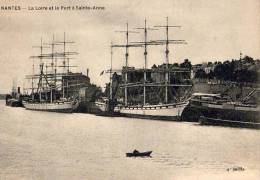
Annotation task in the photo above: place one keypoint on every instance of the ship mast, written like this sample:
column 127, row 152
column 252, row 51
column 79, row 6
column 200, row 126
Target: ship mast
column 145, row 58
column 41, row 70
column 64, row 63
column 111, row 80
column 126, row 59
column 53, row 57
column 40, row 82
column 33, row 78
column 65, row 56
column 52, row 64
column 145, row 43
column 167, row 79
column 126, row 63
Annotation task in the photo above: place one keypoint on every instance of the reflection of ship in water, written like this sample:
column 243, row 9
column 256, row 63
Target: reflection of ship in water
column 219, row 110
column 157, row 92
column 54, row 87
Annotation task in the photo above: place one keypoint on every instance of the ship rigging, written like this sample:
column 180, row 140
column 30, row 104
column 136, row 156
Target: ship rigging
column 51, row 87
column 132, row 88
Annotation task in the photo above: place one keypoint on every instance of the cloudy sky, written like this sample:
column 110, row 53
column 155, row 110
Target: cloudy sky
column 214, row 30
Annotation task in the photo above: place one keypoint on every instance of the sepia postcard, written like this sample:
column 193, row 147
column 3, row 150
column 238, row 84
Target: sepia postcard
column 129, row 90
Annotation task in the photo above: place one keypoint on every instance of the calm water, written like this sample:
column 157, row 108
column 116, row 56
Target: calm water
column 52, row 146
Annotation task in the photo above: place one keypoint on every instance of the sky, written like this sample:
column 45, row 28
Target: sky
column 213, row 30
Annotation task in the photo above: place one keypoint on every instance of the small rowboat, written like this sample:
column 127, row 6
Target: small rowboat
column 139, row 154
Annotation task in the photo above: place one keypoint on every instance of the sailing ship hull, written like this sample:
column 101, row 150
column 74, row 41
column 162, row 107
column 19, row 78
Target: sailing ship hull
column 65, row 107
column 161, row 112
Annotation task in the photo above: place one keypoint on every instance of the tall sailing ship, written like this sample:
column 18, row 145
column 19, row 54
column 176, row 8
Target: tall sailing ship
column 158, row 92
column 54, row 87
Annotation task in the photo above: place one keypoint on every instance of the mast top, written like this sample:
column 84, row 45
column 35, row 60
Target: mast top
column 145, row 27
column 167, row 25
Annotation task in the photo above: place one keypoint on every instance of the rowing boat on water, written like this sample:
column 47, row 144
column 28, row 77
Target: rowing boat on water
column 139, row 154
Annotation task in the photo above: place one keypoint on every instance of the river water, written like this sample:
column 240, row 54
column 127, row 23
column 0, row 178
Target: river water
column 55, row 146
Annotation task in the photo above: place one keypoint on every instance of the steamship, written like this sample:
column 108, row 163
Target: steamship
column 214, row 109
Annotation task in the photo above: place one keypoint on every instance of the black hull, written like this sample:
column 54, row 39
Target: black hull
column 14, row 103
column 227, row 114
column 140, row 154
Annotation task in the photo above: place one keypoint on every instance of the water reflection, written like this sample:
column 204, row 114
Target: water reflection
column 37, row 145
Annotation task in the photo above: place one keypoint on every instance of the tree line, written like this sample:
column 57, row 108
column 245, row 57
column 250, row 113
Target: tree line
column 243, row 70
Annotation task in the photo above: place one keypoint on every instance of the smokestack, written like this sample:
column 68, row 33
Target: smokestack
column 87, row 72
column 18, row 90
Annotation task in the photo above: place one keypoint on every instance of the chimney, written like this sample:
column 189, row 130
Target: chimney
column 18, row 90
column 87, row 72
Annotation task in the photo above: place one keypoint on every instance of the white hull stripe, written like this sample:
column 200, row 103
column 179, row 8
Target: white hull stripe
column 168, row 110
